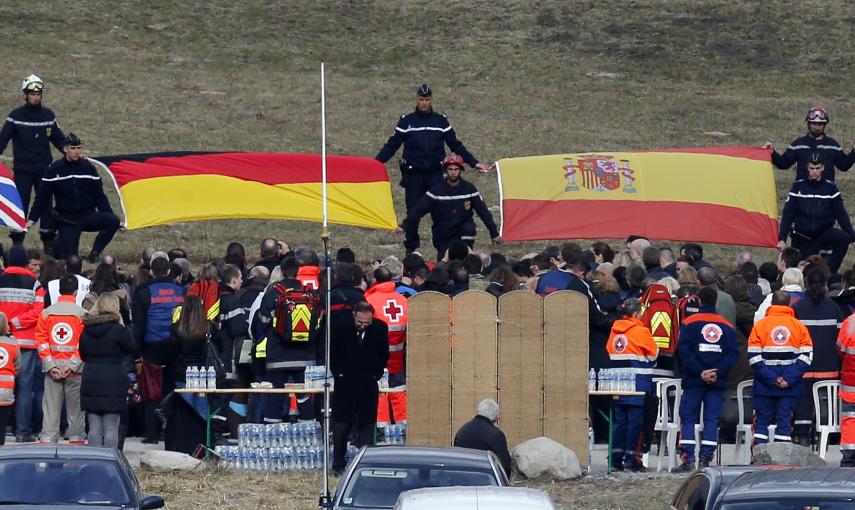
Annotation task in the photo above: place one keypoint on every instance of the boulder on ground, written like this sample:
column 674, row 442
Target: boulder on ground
column 543, row 456
column 786, row 454
column 165, row 460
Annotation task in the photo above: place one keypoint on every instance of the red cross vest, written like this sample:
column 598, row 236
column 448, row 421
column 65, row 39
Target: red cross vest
column 58, row 335
column 391, row 308
column 9, row 353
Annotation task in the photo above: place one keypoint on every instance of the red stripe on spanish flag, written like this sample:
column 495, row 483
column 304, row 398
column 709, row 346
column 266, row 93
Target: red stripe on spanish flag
column 160, row 190
column 720, row 195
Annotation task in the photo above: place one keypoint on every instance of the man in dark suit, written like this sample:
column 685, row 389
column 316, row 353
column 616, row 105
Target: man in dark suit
column 358, row 353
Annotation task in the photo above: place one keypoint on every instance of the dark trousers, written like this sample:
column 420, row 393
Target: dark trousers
column 712, row 400
column 837, row 240
column 341, row 430
column 152, row 423
column 416, row 184
column 27, row 183
column 804, row 420
column 627, row 425
column 277, row 406
column 106, row 224
column 4, row 420
column 769, row 409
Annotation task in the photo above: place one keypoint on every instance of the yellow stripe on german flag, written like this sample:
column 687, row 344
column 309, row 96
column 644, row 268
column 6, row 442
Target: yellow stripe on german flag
column 159, row 190
column 721, row 195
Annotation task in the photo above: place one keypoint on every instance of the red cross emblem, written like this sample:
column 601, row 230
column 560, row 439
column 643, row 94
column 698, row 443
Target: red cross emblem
column 4, row 357
column 61, row 333
column 393, row 310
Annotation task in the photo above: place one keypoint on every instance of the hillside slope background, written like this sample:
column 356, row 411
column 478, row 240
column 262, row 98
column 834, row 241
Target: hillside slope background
column 519, row 77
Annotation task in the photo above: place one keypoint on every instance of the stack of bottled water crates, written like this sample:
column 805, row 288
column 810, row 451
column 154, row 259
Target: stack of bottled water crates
column 612, row 379
column 314, row 377
column 275, row 447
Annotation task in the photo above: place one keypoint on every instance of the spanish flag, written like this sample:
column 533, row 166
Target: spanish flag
column 157, row 189
column 720, row 195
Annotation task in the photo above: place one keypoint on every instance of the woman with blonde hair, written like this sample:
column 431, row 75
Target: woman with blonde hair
column 625, row 258
column 793, row 282
column 105, row 345
column 10, row 362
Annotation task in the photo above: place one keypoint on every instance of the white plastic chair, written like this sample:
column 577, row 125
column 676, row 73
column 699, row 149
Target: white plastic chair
column 699, row 429
column 832, row 405
column 744, row 431
column 668, row 421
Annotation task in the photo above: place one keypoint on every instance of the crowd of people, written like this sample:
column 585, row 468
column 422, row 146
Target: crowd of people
column 99, row 353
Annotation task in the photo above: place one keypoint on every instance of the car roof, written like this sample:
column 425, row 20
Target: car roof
column 460, row 457
column 465, row 498
column 56, row 452
column 726, row 474
column 806, row 481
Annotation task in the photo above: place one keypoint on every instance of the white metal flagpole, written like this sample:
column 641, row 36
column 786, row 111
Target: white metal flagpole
column 326, row 500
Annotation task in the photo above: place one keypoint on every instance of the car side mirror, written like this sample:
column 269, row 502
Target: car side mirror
column 151, row 502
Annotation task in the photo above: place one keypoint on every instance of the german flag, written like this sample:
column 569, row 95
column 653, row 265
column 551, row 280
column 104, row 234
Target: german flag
column 157, row 189
column 719, row 195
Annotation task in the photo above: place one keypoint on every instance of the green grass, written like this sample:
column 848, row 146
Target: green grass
column 519, row 77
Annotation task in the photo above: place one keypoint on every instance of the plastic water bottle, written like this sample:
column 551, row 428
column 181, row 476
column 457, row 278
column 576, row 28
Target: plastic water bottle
column 592, row 380
column 590, row 446
column 631, row 381
column 193, row 382
column 605, row 381
column 211, row 378
column 384, row 381
column 188, row 377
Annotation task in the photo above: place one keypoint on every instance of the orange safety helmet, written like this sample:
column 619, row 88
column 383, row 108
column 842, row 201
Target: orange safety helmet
column 454, row 159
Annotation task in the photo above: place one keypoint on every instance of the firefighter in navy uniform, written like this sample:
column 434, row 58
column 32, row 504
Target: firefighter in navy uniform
column 72, row 192
column 32, row 129
column 451, row 204
column 812, row 207
column 424, row 135
column 815, row 141
column 708, row 349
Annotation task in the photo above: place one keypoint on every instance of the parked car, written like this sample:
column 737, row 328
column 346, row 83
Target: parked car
column 377, row 476
column 701, row 490
column 67, row 477
column 791, row 489
column 474, row 498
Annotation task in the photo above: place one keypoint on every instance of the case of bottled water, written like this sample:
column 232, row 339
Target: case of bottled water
column 277, row 447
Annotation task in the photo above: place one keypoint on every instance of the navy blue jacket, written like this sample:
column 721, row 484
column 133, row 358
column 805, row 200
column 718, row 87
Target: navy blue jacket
column 800, row 150
column 707, row 340
column 811, row 208
column 31, row 130
column 424, row 136
column 153, row 307
column 822, row 321
column 74, row 186
column 451, row 210
column 552, row 281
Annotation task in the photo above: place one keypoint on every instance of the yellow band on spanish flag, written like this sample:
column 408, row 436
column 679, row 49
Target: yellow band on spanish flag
column 721, row 195
column 157, row 190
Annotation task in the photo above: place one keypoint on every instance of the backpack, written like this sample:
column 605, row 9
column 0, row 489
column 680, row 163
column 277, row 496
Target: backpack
column 688, row 306
column 660, row 314
column 209, row 292
column 296, row 313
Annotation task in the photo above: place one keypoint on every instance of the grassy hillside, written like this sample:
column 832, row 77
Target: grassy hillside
column 515, row 78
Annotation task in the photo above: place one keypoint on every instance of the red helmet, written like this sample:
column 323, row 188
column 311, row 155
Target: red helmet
column 817, row 115
column 454, row 159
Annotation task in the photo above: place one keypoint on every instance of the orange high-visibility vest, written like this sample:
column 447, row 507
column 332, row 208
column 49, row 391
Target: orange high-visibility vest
column 9, row 361
column 58, row 335
column 391, row 308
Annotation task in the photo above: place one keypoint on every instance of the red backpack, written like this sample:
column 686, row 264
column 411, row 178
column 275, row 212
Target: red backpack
column 660, row 314
column 296, row 313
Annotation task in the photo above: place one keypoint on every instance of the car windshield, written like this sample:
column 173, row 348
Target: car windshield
column 806, row 503
column 379, row 487
column 57, row 481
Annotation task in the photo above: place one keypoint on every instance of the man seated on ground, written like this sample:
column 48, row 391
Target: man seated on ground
column 481, row 433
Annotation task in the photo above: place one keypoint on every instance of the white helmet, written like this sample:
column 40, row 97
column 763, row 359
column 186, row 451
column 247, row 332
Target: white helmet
column 32, row 83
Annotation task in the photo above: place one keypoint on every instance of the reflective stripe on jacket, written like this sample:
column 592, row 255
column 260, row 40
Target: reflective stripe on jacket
column 779, row 346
